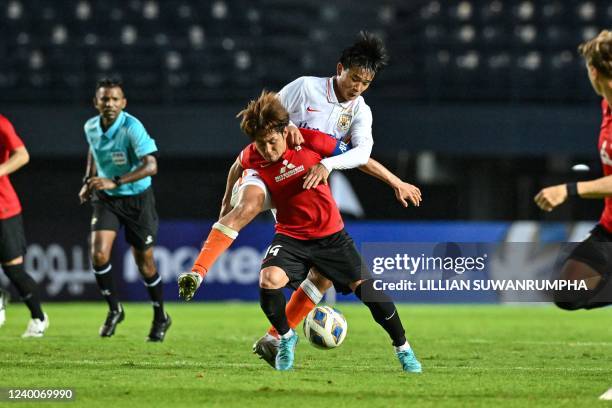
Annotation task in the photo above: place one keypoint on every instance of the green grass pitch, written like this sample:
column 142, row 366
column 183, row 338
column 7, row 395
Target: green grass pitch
column 472, row 356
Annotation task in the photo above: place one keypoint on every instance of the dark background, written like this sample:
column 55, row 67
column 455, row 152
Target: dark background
column 483, row 103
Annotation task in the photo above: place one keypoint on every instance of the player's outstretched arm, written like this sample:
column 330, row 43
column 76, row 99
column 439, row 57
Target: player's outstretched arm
column 232, row 176
column 403, row 191
column 19, row 158
column 551, row 197
column 598, row 188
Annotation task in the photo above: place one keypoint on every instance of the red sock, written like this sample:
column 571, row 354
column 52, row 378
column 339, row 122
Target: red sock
column 296, row 310
column 216, row 243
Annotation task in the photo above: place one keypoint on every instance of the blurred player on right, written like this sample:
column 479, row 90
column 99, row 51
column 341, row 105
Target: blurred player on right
column 591, row 260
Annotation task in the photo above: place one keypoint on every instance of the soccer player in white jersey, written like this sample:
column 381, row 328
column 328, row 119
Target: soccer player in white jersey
column 334, row 106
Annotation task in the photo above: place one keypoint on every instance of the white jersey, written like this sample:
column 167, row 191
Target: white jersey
column 312, row 104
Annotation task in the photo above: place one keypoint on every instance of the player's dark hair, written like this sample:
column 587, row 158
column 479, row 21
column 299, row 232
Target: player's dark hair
column 368, row 52
column 109, row 83
column 598, row 52
column 264, row 115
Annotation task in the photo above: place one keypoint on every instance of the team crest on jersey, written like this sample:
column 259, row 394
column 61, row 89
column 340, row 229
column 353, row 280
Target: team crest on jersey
column 344, row 121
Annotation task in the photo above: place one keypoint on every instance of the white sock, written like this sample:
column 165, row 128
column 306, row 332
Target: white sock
column 403, row 347
column 311, row 291
column 288, row 334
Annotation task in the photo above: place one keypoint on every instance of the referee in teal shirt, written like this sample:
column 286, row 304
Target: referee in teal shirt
column 120, row 163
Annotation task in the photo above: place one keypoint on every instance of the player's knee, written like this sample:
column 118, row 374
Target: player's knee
column 272, row 278
column 147, row 269
column 353, row 285
column 320, row 281
column 16, row 261
column 145, row 262
column 100, row 257
column 248, row 209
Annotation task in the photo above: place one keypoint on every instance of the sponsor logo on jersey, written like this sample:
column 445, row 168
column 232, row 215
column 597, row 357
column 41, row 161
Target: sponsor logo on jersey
column 344, row 121
column 311, row 109
column 288, row 170
column 286, row 165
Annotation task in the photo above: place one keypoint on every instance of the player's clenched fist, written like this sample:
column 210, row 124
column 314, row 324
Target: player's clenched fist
column 101, row 183
column 550, row 197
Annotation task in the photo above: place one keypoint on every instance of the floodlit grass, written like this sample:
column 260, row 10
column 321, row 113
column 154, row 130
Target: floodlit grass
column 471, row 355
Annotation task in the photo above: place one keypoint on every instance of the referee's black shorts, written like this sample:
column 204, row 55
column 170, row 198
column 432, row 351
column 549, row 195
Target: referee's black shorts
column 334, row 256
column 136, row 213
column 12, row 238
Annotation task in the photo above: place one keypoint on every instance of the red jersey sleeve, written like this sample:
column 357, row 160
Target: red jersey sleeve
column 246, row 157
column 8, row 137
column 322, row 143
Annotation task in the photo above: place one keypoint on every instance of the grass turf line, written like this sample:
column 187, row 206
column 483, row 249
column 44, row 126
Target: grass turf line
column 471, row 356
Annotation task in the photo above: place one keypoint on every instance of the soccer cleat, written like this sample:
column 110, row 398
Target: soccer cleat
column 409, row 361
column 286, row 352
column 36, row 327
column 267, row 349
column 113, row 318
column 4, row 299
column 188, row 283
column 159, row 329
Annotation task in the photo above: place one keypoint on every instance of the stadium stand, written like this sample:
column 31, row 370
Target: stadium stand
column 489, row 50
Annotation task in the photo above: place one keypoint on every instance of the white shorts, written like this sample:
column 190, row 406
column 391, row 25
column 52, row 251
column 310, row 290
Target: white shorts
column 250, row 177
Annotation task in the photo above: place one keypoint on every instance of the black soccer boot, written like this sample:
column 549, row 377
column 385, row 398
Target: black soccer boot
column 159, row 329
column 113, row 318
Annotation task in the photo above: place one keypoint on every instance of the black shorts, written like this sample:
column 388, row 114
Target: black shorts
column 12, row 239
column 137, row 213
column 334, row 256
column 596, row 252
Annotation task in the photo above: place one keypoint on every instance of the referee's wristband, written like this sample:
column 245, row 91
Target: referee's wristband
column 572, row 189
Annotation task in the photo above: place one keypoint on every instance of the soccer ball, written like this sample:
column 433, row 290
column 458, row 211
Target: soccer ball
column 325, row 327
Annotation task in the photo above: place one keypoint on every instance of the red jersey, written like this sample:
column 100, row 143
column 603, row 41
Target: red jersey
column 605, row 152
column 9, row 142
column 301, row 214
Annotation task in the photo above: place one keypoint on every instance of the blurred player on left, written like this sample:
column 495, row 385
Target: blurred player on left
column 13, row 156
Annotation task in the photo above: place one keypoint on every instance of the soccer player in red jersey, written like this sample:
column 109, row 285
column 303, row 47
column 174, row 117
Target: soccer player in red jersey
column 590, row 261
column 13, row 156
column 336, row 106
column 309, row 230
